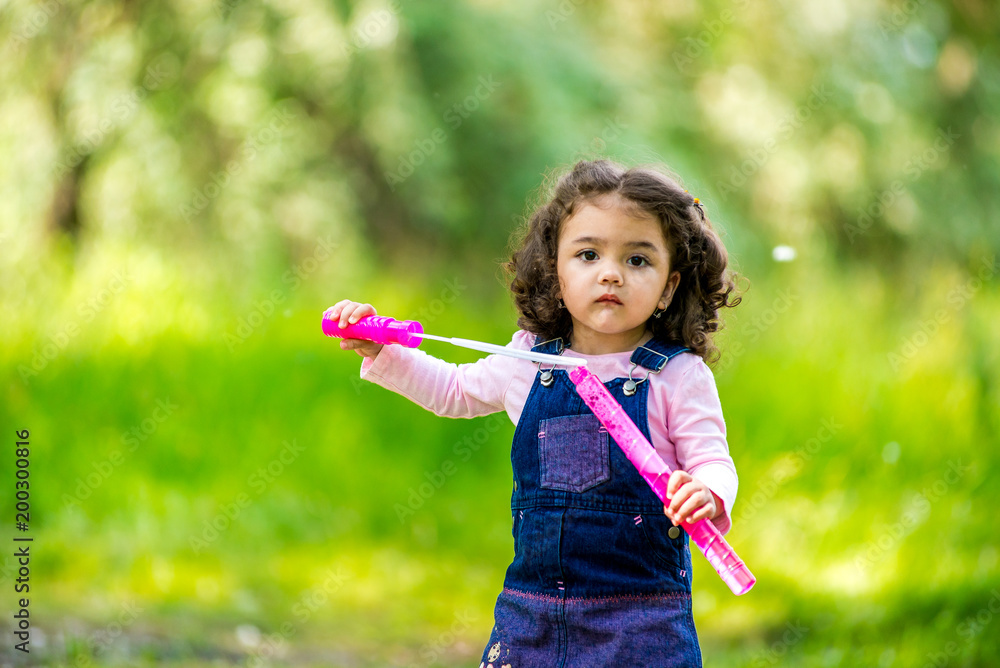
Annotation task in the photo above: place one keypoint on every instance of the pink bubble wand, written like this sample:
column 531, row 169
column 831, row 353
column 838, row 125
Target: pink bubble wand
column 634, row 444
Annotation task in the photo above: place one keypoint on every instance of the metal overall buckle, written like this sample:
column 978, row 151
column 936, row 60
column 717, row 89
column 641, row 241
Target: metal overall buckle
column 547, row 379
column 630, row 385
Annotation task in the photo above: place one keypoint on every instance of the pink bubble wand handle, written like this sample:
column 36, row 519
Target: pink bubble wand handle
column 656, row 473
column 378, row 328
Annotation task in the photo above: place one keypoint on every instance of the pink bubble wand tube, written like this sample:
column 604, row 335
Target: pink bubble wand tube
column 637, row 448
column 656, row 473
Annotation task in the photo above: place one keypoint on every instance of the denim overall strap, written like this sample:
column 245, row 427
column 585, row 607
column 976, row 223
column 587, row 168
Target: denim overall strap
column 551, row 347
column 655, row 354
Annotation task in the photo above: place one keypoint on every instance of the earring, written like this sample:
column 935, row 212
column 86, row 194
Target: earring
column 561, row 305
column 659, row 312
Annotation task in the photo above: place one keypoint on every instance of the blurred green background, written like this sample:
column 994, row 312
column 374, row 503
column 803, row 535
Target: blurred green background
column 186, row 186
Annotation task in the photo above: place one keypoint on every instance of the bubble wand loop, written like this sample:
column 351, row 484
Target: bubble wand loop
column 638, row 450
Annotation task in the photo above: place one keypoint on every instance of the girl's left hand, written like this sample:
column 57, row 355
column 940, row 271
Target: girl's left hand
column 690, row 499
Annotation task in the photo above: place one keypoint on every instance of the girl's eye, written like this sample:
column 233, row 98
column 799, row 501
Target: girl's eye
column 587, row 252
column 640, row 258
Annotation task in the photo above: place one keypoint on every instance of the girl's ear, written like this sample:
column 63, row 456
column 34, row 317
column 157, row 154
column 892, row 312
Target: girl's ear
column 672, row 283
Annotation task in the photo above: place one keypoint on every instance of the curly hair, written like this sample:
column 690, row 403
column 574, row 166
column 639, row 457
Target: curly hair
column 706, row 284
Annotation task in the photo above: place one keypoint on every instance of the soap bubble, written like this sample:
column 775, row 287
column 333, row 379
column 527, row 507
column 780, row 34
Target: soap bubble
column 783, row 253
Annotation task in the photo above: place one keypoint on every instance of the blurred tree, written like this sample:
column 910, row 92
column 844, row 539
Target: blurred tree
column 250, row 127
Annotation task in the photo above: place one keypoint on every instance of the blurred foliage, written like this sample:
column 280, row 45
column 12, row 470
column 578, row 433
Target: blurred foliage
column 188, row 185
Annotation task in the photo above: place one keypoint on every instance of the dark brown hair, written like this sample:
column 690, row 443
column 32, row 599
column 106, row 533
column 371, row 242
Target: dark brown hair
column 695, row 249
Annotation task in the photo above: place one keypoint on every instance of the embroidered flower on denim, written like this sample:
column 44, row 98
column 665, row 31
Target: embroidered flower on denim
column 494, row 655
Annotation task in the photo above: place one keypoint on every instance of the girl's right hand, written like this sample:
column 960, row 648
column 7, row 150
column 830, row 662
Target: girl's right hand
column 349, row 312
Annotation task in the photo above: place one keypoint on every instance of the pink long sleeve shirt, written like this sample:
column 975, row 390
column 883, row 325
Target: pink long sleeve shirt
column 685, row 414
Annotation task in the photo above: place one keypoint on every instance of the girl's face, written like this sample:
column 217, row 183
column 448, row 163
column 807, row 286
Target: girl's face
column 601, row 251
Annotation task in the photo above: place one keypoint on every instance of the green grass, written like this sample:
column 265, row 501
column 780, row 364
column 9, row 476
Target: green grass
column 853, row 567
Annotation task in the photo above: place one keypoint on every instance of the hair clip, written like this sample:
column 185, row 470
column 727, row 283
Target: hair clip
column 698, row 205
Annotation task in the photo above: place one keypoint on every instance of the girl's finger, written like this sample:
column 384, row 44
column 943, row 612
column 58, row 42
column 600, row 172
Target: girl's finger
column 345, row 315
column 335, row 310
column 677, row 518
column 675, row 502
column 358, row 312
column 677, row 478
column 364, row 310
column 686, row 510
column 700, row 514
column 671, row 516
column 682, row 494
column 361, row 311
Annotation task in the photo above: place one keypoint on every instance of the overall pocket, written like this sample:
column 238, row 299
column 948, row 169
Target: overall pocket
column 572, row 453
column 668, row 551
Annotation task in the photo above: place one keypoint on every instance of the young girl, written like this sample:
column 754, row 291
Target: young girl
column 622, row 268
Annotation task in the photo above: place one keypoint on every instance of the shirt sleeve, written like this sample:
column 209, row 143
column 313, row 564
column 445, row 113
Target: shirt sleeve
column 445, row 389
column 698, row 432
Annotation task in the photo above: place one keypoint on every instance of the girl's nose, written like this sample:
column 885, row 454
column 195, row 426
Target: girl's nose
column 611, row 274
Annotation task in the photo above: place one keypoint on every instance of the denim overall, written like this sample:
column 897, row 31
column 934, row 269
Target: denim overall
column 600, row 576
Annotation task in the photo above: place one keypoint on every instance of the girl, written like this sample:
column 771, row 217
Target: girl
column 620, row 267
